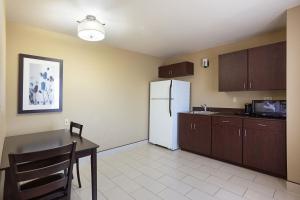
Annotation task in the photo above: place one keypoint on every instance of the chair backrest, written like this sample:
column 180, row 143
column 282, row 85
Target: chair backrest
column 36, row 166
column 76, row 125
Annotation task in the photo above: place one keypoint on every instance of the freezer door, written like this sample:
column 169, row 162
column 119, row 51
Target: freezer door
column 180, row 93
column 160, row 123
column 160, row 89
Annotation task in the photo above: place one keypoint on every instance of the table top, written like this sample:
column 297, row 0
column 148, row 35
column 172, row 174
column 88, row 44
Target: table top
column 41, row 141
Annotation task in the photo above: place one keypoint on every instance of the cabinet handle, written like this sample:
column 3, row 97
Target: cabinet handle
column 225, row 121
column 239, row 132
column 171, row 72
column 250, row 84
column 194, row 125
column 262, row 125
column 191, row 125
column 245, row 133
column 244, row 85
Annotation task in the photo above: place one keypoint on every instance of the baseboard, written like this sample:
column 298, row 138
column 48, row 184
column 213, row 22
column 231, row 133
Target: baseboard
column 114, row 150
column 125, row 147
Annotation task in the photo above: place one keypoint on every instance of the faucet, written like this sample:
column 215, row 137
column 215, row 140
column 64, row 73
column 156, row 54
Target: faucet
column 204, row 106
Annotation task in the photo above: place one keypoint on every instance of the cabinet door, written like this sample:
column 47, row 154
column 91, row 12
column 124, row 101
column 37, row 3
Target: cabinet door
column 201, row 136
column 265, row 145
column 185, row 131
column 165, row 71
column 267, row 67
column 227, row 139
column 176, row 70
column 233, row 71
column 182, row 69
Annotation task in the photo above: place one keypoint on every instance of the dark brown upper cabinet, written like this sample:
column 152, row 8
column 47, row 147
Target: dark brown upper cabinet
column 260, row 68
column 233, row 71
column 176, row 70
column 267, row 67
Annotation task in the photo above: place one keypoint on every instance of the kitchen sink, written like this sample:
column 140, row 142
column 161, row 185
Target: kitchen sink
column 204, row 112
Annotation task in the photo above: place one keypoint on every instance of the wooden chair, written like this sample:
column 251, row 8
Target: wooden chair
column 79, row 127
column 37, row 175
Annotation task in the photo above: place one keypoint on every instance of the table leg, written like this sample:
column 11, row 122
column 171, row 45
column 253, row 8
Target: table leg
column 8, row 195
column 94, row 173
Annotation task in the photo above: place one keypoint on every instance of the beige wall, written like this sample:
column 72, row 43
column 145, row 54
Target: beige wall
column 293, row 94
column 205, row 81
column 2, row 73
column 105, row 88
column 2, row 82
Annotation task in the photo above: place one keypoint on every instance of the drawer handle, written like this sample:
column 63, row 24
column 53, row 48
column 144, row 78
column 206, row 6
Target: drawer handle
column 225, row 121
column 262, row 125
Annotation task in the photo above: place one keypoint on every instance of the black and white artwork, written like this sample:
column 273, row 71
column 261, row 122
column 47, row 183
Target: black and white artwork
column 40, row 84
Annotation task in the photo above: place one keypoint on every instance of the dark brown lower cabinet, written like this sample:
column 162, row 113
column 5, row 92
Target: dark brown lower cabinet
column 195, row 133
column 265, row 145
column 227, row 140
column 185, row 131
column 202, row 134
column 251, row 142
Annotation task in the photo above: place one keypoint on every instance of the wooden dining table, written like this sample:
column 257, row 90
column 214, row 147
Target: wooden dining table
column 47, row 140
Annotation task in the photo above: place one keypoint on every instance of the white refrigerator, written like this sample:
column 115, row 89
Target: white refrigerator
column 167, row 98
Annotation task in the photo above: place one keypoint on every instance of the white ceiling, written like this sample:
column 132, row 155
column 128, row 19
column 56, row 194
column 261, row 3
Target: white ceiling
column 160, row 28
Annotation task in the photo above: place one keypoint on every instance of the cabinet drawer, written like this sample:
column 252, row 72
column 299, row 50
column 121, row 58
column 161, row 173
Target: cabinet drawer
column 202, row 119
column 227, row 121
column 277, row 125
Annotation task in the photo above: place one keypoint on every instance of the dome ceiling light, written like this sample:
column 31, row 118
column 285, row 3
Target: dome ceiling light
column 91, row 29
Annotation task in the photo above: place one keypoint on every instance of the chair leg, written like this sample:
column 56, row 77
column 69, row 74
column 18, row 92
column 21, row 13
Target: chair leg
column 65, row 172
column 78, row 175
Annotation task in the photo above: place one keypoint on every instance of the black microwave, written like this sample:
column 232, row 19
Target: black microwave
column 269, row 108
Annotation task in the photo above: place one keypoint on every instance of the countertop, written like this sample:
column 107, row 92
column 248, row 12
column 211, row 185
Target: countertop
column 234, row 114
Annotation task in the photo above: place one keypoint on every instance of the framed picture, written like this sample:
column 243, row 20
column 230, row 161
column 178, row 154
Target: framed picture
column 40, row 84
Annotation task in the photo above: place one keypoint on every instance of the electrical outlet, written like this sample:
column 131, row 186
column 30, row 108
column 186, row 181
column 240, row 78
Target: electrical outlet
column 234, row 100
column 268, row 98
column 66, row 122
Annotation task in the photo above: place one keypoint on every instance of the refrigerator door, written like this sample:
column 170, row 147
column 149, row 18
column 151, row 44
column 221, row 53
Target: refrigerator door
column 160, row 129
column 160, row 122
column 181, row 103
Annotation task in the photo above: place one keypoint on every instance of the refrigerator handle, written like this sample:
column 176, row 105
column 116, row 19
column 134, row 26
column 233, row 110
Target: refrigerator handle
column 170, row 98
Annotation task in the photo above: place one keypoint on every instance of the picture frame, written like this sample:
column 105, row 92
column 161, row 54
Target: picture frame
column 40, row 84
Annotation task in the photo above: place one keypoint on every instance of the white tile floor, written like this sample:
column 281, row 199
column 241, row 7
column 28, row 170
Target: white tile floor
column 148, row 172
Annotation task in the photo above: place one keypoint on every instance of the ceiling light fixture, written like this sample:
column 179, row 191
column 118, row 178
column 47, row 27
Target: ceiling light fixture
column 91, row 29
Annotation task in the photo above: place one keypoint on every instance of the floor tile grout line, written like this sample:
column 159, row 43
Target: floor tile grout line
column 151, row 191
column 173, row 165
column 182, row 183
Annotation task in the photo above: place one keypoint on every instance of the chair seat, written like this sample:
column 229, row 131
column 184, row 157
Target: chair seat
column 56, row 194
